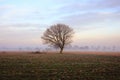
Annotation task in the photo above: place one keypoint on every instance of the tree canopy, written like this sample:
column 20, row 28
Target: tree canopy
column 58, row 35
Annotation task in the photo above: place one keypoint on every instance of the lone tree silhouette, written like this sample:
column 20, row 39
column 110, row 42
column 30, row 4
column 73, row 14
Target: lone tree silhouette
column 58, row 36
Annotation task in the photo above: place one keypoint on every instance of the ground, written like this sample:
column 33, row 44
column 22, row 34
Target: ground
column 54, row 66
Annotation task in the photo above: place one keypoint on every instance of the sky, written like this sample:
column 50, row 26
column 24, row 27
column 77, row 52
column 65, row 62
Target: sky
column 95, row 22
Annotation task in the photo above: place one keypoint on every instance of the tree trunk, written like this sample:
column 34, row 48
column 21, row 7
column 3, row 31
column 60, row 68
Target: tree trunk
column 61, row 50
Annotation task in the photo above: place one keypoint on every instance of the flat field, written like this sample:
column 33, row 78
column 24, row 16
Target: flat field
column 55, row 66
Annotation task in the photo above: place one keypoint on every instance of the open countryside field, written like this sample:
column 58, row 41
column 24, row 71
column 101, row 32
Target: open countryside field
column 55, row 66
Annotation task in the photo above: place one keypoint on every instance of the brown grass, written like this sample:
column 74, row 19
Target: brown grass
column 54, row 66
column 67, row 52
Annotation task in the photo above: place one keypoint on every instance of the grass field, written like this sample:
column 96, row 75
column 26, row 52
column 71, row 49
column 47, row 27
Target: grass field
column 53, row 66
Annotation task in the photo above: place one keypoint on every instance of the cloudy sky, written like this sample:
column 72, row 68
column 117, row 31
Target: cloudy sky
column 22, row 22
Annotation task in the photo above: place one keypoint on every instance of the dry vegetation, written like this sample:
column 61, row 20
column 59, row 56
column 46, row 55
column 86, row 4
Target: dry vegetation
column 53, row 66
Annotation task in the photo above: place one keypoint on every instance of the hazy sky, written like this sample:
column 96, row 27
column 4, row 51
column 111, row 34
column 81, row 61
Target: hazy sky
column 22, row 22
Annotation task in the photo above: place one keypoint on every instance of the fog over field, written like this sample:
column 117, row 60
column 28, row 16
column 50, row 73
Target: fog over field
column 69, row 48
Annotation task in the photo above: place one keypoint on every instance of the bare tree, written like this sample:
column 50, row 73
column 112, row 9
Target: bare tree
column 58, row 36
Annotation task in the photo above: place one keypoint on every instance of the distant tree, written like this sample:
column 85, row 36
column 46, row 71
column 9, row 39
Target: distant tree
column 58, row 36
column 113, row 48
